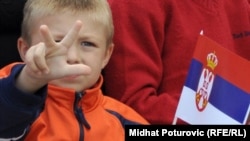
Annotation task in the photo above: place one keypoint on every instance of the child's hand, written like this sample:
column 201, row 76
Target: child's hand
column 48, row 59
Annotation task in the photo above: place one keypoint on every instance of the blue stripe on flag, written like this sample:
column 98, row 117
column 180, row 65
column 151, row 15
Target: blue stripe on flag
column 229, row 99
column 226, row 97
column 194, row 74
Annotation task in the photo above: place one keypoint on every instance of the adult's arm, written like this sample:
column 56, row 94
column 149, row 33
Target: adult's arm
column 154, row 44
column 138, row 73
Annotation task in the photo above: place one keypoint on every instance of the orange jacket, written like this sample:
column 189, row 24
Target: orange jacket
column 72, row 116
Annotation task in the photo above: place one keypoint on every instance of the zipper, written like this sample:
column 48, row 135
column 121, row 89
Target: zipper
column 79, row 115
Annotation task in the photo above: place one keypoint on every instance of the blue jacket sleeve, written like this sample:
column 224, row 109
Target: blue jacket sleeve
column 18, row 109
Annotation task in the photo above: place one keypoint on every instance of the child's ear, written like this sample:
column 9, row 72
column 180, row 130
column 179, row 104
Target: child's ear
column 22, row 47
column 108, row 54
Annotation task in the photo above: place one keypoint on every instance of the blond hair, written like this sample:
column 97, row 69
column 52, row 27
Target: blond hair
column 97, row 10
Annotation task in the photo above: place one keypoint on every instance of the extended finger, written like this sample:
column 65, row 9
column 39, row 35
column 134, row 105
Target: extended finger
column 72, row 34
column 47, row 37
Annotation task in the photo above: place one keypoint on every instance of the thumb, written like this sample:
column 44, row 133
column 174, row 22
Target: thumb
column 77, row 69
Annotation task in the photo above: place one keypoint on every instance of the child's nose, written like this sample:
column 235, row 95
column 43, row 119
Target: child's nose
column 73, row 55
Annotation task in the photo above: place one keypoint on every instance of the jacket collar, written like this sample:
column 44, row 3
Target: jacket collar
column 65, row 97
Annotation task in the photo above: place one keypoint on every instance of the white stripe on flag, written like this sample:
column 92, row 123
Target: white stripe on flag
column 188, row 112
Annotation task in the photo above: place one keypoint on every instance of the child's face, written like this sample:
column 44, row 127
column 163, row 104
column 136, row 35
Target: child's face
column 90, row 48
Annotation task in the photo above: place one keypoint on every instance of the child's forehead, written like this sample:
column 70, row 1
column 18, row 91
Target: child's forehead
column 60, row 24
column 66, row 20
column 68, row 16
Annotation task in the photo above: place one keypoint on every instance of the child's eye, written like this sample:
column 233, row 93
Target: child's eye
column 57, row 41
column 87, row 44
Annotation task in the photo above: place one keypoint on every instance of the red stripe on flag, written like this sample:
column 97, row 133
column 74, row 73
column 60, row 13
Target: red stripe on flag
column 231, row 66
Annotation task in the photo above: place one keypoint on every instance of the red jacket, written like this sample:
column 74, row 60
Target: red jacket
column 65, row 114
column 154, row 43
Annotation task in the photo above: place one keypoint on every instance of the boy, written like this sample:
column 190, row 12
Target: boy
column 55, row 94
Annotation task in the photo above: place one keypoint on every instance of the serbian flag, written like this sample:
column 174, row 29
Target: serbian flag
column 217, row 88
